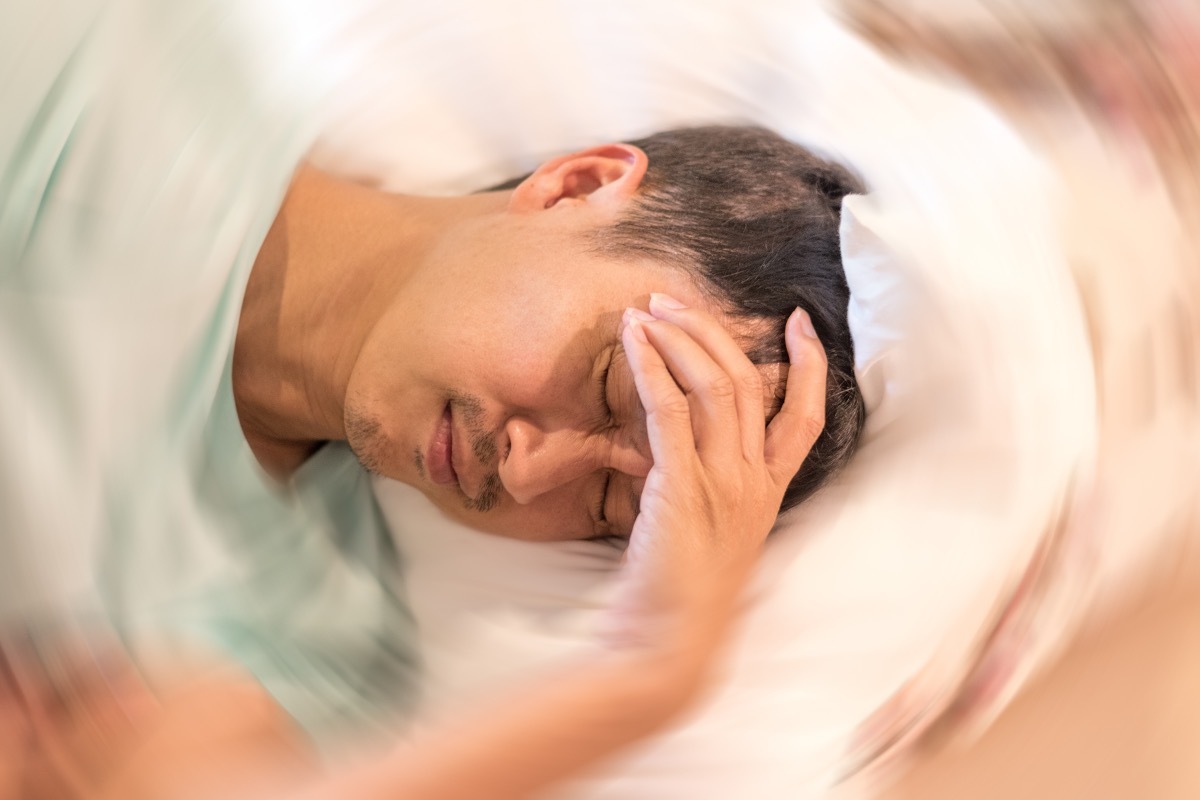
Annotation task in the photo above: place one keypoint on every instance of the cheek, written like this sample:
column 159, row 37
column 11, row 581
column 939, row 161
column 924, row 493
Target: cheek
column 530, row 357
column 539, row 321
column 523, row 321
column 382, row 377
column 383, row 428
column 543, row 396
column 387, row 403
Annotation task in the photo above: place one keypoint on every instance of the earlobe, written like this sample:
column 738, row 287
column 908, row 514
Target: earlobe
column 600, row 178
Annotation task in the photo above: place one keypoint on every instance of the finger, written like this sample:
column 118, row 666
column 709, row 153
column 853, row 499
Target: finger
column 95, row 680
column 79, row 687
column 709, row 390
column 668, row 418
column 26, row 675
column 798, row 424
column 15, row 731
column 49, row 768
column 719, row 344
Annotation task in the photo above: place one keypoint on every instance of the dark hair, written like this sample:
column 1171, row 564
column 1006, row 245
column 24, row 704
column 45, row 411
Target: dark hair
column 755, row 217
column 758, row 217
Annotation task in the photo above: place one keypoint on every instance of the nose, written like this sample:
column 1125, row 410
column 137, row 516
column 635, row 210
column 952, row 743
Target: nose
column 539, row 461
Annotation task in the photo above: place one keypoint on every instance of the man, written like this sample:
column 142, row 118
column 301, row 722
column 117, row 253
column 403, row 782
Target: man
column 468, row 346
column 194, row 326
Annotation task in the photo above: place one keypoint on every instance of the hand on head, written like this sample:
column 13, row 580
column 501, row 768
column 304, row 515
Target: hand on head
column 719, row 471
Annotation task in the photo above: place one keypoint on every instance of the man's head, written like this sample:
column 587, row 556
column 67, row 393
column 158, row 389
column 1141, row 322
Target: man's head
column 756, row 217
column 497, row 384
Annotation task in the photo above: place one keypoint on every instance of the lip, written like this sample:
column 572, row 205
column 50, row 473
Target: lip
column 439, row 457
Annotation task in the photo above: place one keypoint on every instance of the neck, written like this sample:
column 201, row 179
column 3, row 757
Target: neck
column 337, row 256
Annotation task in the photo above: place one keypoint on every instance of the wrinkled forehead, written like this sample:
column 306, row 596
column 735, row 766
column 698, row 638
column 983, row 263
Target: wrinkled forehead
column 749, row 333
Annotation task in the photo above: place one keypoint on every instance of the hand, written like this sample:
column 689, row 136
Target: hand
column 719, row 472
column 79, row 722
column 69, row 705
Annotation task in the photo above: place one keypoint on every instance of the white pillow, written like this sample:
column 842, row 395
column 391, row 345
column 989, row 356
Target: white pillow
column 970, row 349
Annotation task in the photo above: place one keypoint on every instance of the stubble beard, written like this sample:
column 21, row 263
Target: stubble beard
column 364, row 435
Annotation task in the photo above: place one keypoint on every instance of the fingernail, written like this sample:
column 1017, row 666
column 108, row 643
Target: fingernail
column 665, row 301
column 637, row 313
column 634, row 326
column 805, row 322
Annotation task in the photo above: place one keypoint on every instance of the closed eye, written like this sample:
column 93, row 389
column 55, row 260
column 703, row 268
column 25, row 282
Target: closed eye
column 598, row 511
column 602, row 385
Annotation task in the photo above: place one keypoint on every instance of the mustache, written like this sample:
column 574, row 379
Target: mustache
column 470, row 412
column 489, row 495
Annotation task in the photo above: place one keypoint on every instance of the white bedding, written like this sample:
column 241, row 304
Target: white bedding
column 970, row 347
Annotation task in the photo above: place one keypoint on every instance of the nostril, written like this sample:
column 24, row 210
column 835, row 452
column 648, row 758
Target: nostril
column 505, row 445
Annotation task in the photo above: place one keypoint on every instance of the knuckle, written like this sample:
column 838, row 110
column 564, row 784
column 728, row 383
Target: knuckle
column 751, row 382
column 672, row 409
column 812, row 425
column 720, row 387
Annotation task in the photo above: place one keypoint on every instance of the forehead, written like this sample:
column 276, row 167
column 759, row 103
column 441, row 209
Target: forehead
column 610, row 279
column 548, row 290
column 628, row 283
column 604, row 286
column 687, row 288
column 555, row 253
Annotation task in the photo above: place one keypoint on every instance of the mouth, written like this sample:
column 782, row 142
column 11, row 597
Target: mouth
column 439, row 458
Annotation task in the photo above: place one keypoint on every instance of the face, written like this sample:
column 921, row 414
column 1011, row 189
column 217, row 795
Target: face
column 497, row 383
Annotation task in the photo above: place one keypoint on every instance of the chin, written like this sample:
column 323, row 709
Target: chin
column 366, row 436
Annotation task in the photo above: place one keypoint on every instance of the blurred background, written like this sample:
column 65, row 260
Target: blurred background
column 1119, row 715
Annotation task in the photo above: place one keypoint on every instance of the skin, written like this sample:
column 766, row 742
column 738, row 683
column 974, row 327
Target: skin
column 492, row 305
column 689, row 434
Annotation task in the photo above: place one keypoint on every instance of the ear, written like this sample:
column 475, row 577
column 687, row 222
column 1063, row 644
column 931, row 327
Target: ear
column 600, row 178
